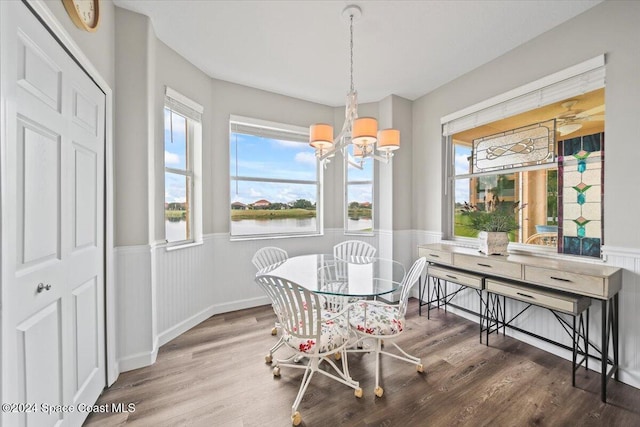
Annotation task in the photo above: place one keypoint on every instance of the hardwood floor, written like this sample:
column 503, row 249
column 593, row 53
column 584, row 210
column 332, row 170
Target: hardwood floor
column 215, row 375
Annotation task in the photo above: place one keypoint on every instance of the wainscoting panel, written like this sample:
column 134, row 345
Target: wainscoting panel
column 135, row 307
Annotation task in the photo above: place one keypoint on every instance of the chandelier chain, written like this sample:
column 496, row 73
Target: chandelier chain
column 351, row 50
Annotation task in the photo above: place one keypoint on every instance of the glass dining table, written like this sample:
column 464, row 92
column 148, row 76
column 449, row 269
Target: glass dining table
column 353, row 277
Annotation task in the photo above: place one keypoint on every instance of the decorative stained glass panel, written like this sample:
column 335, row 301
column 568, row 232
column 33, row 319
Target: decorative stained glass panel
column 581, row 184
column 525, row 146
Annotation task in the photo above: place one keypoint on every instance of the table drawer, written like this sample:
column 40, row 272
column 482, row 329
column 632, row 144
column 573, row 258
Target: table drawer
column 489, row 265
column 435, row 255
column 573, row 282
column 572, row 304
column 455, row 276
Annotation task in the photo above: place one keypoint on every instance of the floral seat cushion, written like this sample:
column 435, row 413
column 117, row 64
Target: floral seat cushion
column 335, row 334
column 374, row 319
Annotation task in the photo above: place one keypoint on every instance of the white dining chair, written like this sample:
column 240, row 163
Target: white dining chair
column 312, row 333
column 379, row 320
column 347, row 251
column 350, row 248
column 268, row 256
column 262, row 259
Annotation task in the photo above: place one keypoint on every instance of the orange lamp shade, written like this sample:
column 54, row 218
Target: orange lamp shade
column 321, row 135
column 388, row 140
column 364, row 131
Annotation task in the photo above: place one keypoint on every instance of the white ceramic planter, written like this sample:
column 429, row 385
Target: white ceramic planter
column 493, row 242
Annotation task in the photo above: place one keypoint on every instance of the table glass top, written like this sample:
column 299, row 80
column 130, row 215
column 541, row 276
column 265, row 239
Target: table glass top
column 354, row 277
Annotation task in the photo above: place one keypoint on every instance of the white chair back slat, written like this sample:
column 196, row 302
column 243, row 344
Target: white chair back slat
column 350, row 248
column 409, row 280
column 294, row 306
column 267, row 256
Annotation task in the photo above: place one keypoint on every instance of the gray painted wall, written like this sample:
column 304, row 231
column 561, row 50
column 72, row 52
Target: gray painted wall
column 610, row 28
column 98, row 46
column 132, row 129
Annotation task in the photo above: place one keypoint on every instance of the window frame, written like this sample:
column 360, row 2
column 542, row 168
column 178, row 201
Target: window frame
column 275, row 129
column 580, row 78
column 347, row 161
column 191, row 111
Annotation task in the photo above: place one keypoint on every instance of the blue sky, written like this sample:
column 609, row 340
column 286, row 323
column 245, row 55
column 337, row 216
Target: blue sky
column 271, row 158
column 174, row 156
column 261, row 158
column 462, row 154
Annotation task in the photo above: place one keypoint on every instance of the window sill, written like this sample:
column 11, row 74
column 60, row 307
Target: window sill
column 273, row 237
column 360, row 233
column 183, row 246
column 524, row 249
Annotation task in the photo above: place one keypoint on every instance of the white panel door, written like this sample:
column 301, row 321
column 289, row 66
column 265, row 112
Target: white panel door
column 53, row 350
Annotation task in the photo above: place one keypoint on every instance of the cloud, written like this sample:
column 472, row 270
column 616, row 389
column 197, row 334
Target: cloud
column 305, row 157
column 174, row 190
column 171, row 158
column 462, row 164
column 462, row 191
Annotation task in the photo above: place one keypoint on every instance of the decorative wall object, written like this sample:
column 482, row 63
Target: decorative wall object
column 525, row 146
column 581, row 189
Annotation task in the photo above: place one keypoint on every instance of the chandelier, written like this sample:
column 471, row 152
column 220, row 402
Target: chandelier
column 359, row 132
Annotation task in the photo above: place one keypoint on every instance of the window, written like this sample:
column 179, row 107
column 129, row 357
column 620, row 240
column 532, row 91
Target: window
column 182, row 160
column 526, row 189
column 358, row 195
column 546, row 175
column 275, row 180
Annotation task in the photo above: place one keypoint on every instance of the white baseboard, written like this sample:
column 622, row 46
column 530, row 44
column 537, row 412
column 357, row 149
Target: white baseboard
column 182, row 327
column 139, row 360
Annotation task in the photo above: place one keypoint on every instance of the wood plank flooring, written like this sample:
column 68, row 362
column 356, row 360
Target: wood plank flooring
column 215, row 375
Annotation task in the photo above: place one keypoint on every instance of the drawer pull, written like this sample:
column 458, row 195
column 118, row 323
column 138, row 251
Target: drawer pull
column 485, row 265
column 560, row 279
column 451, row 277
column 434, row 255
column 525, row 295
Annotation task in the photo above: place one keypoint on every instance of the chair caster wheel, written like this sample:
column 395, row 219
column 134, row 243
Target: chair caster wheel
column 419, row 367
column 274, row 331
column 358, row 393
column 296, row 418
column 268, row 359
column 276, row 371
column 379, row 391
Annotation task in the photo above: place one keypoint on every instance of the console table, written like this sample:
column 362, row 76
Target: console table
column 547, row 282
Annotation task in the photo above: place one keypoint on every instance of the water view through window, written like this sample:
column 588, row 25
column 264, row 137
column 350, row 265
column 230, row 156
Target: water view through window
column 274, row 182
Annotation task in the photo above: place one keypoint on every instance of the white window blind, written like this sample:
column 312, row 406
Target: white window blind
column 266, row 129
column 182, row 105
column 581, row 78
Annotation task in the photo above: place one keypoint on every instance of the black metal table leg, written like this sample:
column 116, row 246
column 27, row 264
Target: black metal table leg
column 615, row 335
column 420, row 294
column 575, row 354
column 480, row 313
column 586, row 342
column 604, row 351
column 504, row 315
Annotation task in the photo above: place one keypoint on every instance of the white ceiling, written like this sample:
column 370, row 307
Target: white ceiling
column 301, row 48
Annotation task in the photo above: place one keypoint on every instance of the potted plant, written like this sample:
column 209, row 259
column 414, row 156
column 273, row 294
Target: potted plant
column 493, row 224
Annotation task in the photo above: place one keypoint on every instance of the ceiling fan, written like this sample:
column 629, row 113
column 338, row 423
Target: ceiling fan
column 571, row 120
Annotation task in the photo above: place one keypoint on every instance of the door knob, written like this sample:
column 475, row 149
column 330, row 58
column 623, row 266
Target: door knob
column 42, row 287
